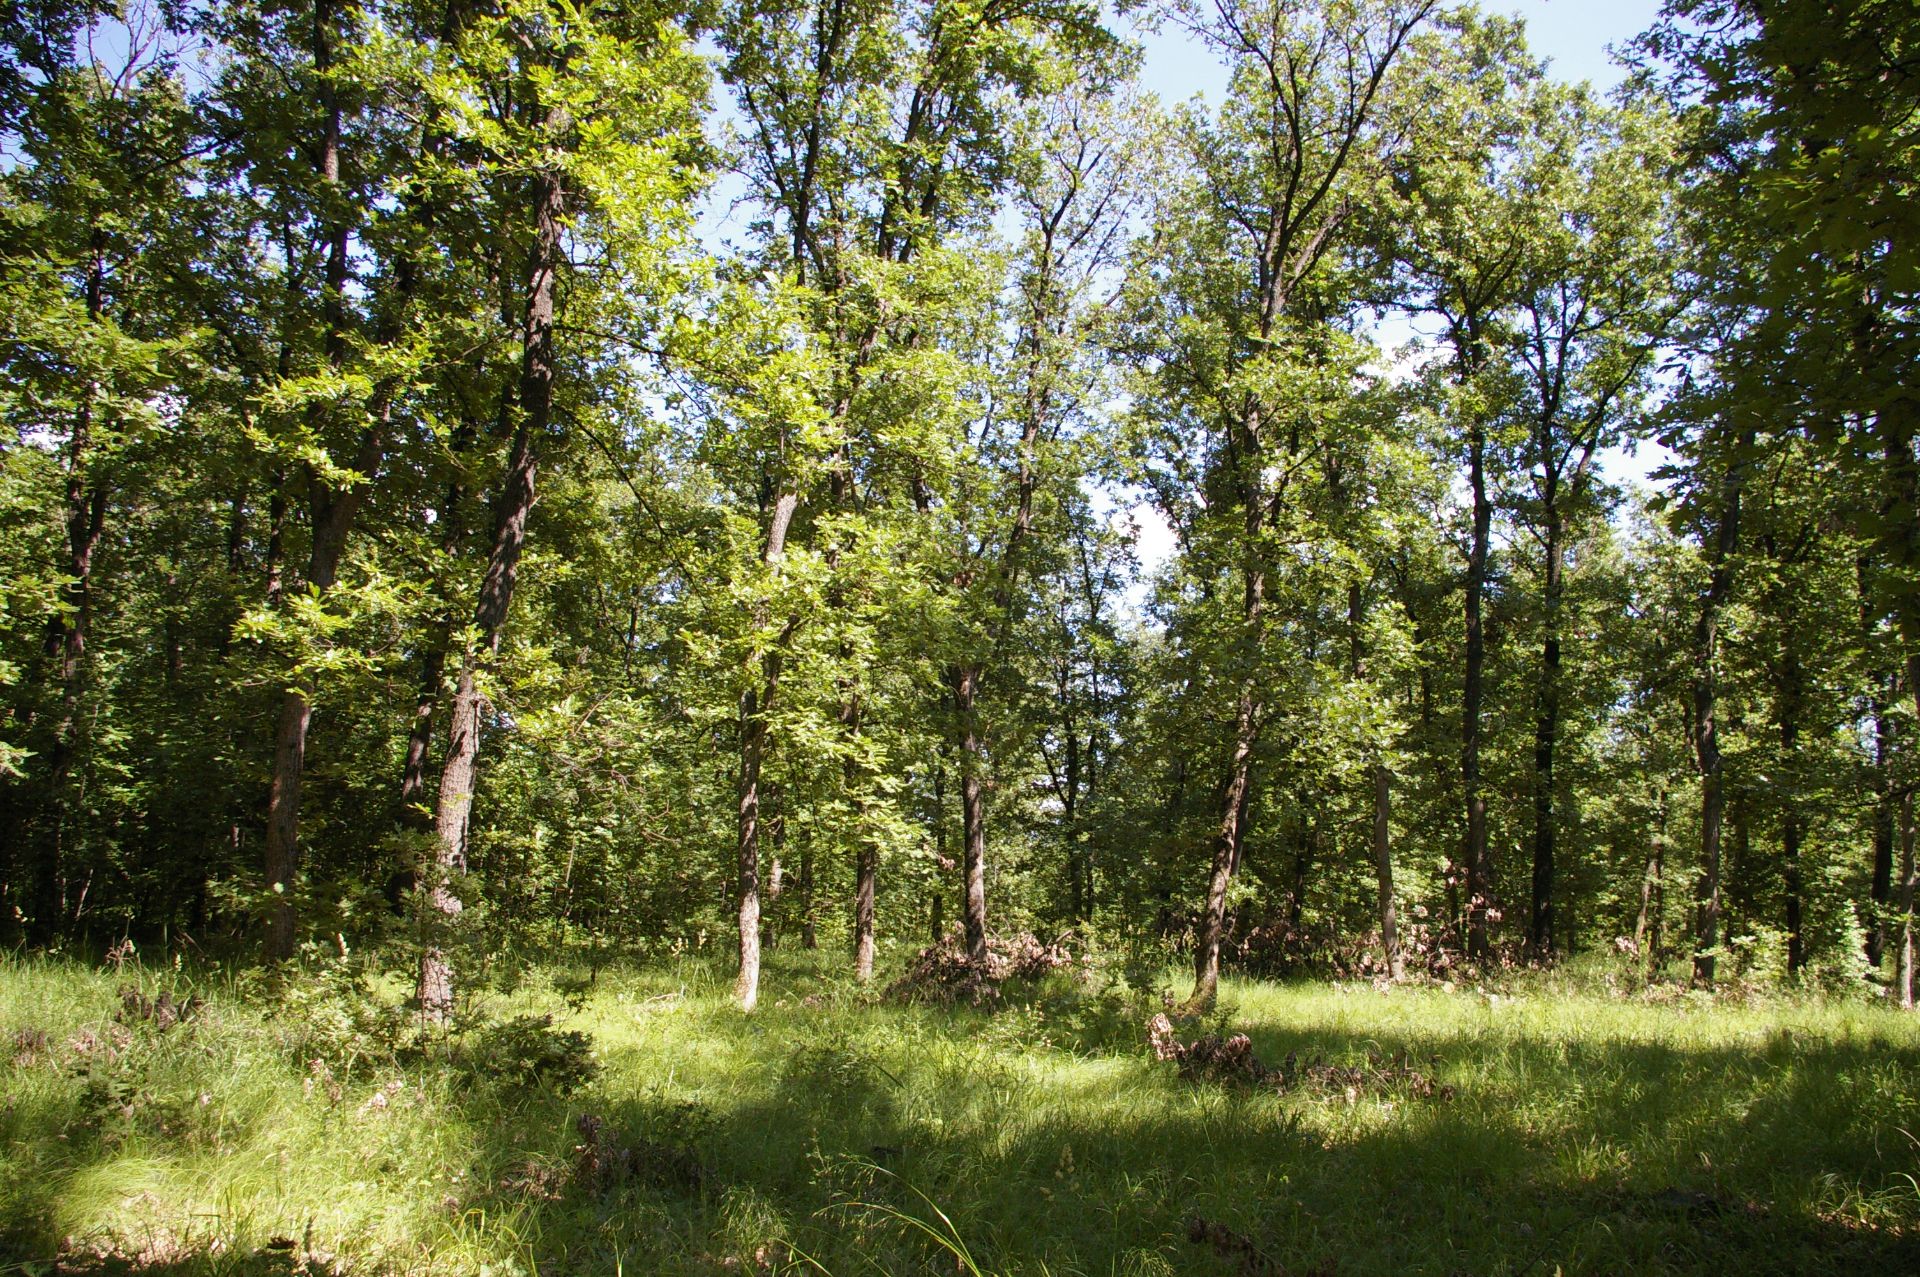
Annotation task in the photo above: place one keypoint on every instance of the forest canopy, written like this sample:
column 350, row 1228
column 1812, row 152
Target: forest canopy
column 630, row 478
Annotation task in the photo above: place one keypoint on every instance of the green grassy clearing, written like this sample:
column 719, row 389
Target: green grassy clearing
column 1638, row 1133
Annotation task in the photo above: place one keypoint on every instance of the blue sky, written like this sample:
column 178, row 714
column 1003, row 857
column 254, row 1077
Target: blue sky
column 1572, row 34
column 1574, row 37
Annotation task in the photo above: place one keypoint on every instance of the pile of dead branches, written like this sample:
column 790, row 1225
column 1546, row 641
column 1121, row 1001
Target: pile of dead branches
column 1230, row 1059
column 945, row 973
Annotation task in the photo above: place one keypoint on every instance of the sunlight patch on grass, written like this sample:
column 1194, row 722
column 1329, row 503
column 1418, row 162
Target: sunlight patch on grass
column 1585, row 1130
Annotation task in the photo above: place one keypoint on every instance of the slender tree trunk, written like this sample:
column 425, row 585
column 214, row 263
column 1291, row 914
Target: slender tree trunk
column 1736, row 871
column 866, row 856
column 1645, row 942
column 809, row 930
column 414, row 812
column 84, row 516
column 1705, row 726
column 1474, row 850
column 1382, row 800
column 1546, row 737
column 963, row 683
column 1070, row 822
column 1901, row 541
column 1383, row 868
column 333, row 515
column 1226, row 854
column 459, row 771
column 1230, row 832
column 1304, row 856
column 1790, row 824
column 754, row 707
column 776, row 881
column 865, row 871
column 1090, row 774
column 332, row 520
column 1884, row 818
column 1712, row 810
column 943, row 864
column 753, row 745
column 1903, row 977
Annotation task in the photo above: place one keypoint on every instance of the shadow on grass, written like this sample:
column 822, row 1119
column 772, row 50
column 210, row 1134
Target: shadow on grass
column 1605, row 1155
column 817, row 1130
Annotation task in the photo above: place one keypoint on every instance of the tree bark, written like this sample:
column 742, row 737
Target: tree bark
column 1226, row 854
column 333, row 514
column 754, row 738
column 1886, row 801
column 963, row 683
column 1546, row 737
column 1474, row 850
column 1646, row 928
column 84, row 517
column 809, row 930
column 1383, row 868
column 865, row 871
column 1705, row 727
column 1790, row 823
column 1903, row 978
column 414, row 812
column 1304, row 857
column 1070, row 822
column 753, row 747
column 1382, row 800
column 459, row 772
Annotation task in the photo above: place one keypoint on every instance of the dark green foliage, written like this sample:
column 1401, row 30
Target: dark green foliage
column 528, row 1051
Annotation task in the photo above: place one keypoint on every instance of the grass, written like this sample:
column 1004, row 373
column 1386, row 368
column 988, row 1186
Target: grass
column 272, row 1132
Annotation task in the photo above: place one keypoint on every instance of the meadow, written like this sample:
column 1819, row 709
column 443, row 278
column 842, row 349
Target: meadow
column 630, row 1120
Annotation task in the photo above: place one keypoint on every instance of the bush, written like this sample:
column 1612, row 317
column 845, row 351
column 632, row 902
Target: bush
column 528, row 1051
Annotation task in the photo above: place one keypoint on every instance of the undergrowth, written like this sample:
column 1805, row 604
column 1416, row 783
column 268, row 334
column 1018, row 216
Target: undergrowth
column 630, row 1121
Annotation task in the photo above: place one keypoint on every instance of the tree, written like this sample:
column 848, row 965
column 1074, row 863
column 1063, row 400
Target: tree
column 1274, row 190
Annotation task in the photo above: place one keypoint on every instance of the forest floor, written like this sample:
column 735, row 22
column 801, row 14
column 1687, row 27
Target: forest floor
column 1546, row 1124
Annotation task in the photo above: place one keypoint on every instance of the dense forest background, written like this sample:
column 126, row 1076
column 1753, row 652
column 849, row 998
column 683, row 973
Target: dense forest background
column 419, row 528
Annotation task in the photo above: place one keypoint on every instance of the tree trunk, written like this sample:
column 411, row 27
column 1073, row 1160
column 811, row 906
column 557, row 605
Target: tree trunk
column 459, row 772
column 1903, row 905
column 333, row 515
column 754, row 735
column 1736, row 871
column 1646, row 928
column 1231, row 830
column 865, row 870
column 1901, row 541
column 84, row 515
column 1303, row 859
column 332, row 521
column 1226, row 854
column 1880, row 894
column 1474, row 849
column 1383, row 868
column 1705, row 727
column 963, row 682
column 809, row 929
column 414, row 812
column 1070, row 822
column 1790, row 824
column 776, row 882
column 1546, row 737
column 753, row 745
column 1382, row 799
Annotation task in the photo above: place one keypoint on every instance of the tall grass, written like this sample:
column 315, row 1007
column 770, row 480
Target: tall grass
column 833, row 1132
